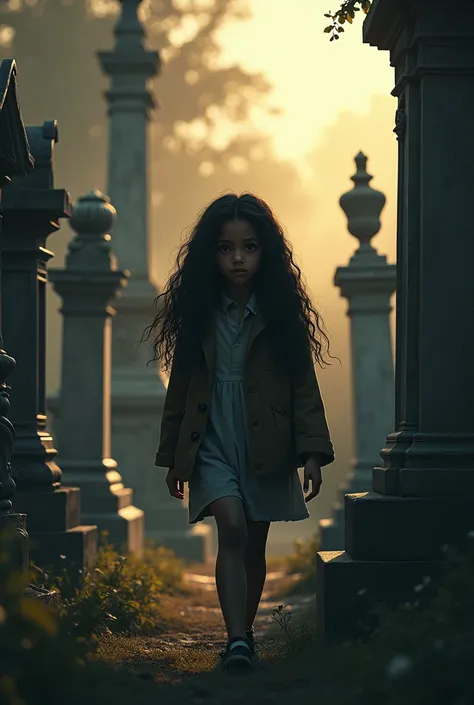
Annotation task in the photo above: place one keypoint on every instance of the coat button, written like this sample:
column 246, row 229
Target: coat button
column 202, row 407
column 251, row 388
column 254, row 422
column 194, row 436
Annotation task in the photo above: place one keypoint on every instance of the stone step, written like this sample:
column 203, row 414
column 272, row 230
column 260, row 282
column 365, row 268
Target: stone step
column 125, row 527
column 49, row 510
column 75, row 548
column 193, row 544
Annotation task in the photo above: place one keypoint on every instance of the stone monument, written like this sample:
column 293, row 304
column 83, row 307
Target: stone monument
column 15, row 160
column 367, row 283
column 88, row 286
column 423, row 494
column 32, row 209
column 137, row 390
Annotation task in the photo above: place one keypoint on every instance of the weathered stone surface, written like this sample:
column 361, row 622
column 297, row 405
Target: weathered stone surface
column 31, row 210
column 348, row 590
column 367, row 283
column 88, row 287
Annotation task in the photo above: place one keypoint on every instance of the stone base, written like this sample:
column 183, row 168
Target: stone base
column 16, row 525
column 331, row 531
column 392, row 544
column 54, row 527
column 347, row 590
column 72, row 549
column 194, row 545
column 125, row 528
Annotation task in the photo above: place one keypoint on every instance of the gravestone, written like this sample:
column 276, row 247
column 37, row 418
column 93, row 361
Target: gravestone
column 15, row 160
column 367, row 283
column 88, row 286
column 32, row 209
column 423, row 495
column 137, row 390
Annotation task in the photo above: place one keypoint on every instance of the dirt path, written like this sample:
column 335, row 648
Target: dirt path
column 193, row 635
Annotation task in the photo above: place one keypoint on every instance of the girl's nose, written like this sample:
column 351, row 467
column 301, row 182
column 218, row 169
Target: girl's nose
column 238, row 257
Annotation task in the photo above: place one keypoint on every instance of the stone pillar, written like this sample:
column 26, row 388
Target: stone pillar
column 137, row 390
column 88, row 285
column 423, row 495
column 31, row 210
column 15, row 160
column 368, row 283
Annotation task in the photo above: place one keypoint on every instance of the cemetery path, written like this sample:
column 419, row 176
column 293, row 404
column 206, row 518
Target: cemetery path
column 189, row 644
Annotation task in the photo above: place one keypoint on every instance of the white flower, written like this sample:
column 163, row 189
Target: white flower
column 438, row 644
column 419, row 588
column 471, row 534
column 361, row 592
column 426, row 580
column 399, row 665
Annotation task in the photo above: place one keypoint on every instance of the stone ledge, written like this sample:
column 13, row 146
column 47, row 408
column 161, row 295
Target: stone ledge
column 407, row 528
column 49, row 510
column 347, row 590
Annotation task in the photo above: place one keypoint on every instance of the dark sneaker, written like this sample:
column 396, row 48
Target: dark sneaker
column 252, row 642
column 237, row 656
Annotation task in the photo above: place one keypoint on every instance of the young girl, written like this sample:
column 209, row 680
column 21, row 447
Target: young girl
column 243, row 409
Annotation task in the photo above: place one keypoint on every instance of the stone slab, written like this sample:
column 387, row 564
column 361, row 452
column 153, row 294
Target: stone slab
column 347, row 590
column 194, row 545
column 125, row 528
column 49, row 510
column 78, row 546
column 379, row 527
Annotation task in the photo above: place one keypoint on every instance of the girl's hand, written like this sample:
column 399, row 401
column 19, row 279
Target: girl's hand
column 312, row 473
column 175, row 486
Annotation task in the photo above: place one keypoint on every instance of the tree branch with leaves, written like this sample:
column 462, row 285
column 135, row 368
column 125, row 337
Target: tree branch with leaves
column 346, row 13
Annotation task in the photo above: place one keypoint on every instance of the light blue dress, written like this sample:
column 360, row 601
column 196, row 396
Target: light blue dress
column 222, row 467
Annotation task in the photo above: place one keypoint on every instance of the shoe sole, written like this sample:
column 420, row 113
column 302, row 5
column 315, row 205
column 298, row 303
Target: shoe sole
column 237, row 663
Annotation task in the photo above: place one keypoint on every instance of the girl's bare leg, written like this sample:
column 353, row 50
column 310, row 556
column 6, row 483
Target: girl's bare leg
column 230, row 565
column 255, row 568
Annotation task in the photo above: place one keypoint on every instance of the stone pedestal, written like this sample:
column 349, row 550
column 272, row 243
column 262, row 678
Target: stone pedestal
column 137, row 390
column 368, row 283
column 88, row 287
column 31, row 210
column 423, row 496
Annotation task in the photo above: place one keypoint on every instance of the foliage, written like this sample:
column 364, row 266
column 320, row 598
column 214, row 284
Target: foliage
column 345, row 13
column 121, row 594
column 38, row 661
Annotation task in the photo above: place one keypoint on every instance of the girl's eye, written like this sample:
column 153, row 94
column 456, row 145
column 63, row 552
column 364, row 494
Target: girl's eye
column 250, row 246
column 223, row 248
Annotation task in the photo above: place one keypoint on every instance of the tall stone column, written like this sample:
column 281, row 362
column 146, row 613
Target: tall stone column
column 31, row 210
column 137, row 390
column 368, row 283
column 88, row 285
column 423, row 495
column 15, row 160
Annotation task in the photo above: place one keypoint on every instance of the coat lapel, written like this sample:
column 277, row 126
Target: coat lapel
column 258, row 324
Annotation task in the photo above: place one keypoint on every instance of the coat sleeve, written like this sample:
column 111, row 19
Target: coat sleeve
column 309, row 418
column 173, row 412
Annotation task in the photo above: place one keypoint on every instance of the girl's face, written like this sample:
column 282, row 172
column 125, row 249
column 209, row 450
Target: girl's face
column 238, row 252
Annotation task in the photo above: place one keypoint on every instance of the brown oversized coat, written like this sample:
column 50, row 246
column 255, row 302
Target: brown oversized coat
column 286, row 418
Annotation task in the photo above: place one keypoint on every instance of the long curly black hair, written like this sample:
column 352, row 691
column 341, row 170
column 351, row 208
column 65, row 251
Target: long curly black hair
column 186, row 307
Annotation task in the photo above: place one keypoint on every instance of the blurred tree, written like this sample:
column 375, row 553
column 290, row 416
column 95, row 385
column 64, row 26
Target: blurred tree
column 203, row 140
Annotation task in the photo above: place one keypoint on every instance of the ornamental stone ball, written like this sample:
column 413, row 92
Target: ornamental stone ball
column 92, row 219
column 93, row 214
column 362, row 204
